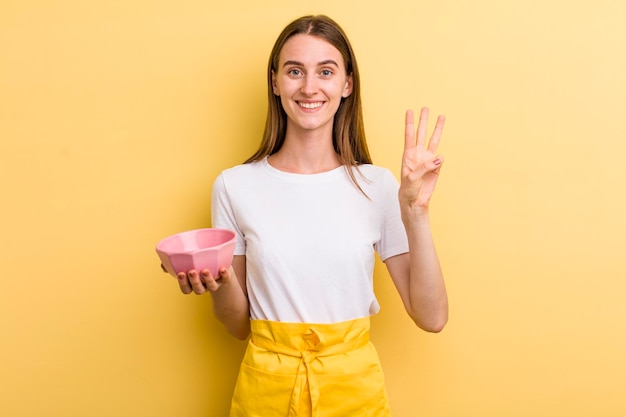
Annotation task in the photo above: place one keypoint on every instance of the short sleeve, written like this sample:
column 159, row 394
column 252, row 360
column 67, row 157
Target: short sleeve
column 222, row 212
column 393, row 239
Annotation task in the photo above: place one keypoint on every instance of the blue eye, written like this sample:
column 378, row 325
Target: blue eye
column 327, row 73
column 295, row 72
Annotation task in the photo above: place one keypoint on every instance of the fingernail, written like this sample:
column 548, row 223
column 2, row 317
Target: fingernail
column 437, row 161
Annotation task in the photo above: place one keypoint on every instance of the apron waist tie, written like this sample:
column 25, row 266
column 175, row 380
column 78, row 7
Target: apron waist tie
column 307, row 356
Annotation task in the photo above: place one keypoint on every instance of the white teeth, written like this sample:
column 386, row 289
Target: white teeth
column 310, row 105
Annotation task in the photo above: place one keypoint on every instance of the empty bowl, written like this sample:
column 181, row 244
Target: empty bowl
column 199, row 249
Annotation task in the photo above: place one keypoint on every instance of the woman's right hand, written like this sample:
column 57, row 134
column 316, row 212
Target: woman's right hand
column 203, row 281
column 230, row 297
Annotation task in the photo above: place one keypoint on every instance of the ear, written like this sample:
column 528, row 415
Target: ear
column 349, row 86
column 275, row 85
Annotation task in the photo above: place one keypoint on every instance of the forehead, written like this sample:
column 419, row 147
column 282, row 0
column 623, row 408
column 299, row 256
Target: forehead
column 309, row 49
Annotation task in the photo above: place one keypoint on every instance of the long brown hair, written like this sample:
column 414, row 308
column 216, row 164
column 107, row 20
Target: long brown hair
column 348, row 130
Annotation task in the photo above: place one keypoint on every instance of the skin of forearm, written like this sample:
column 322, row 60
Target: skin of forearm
column 230, row 306
column 428, row 297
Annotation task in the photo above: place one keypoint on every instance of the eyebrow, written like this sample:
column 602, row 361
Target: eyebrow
column 326, row 62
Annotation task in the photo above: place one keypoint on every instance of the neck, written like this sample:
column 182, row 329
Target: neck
column 309, row 153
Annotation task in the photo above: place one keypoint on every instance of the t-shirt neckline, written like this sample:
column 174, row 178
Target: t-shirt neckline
column 303, row 178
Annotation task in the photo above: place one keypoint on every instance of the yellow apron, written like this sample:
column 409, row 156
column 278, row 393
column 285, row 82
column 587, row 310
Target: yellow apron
column 310, row 370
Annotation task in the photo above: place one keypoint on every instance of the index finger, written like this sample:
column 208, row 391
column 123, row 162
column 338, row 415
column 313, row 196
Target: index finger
column 183, row 282
column 434, row 139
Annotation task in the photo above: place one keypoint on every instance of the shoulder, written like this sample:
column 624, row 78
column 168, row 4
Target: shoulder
column 378, row 183
column 374, row 169
column 376, row 174
column 243, row 169
column 239, row 173
column 238, row 177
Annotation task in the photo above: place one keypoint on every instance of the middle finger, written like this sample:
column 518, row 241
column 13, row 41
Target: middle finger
column 196, row 282
column 422, row 127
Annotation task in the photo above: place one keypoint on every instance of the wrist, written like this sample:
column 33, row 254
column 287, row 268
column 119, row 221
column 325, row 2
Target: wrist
column 412, row 214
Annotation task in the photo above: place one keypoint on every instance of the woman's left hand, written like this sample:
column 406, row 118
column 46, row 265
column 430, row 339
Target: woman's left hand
column 420, row 162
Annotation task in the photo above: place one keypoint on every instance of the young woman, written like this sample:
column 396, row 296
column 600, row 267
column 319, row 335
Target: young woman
column 311, row 211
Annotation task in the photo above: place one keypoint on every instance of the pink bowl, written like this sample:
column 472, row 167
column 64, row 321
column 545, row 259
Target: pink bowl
column 197, row 249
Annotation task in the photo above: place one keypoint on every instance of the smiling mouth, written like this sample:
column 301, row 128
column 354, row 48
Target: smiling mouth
column 311, row 105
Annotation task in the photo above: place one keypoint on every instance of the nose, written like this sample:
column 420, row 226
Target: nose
column 309, row 85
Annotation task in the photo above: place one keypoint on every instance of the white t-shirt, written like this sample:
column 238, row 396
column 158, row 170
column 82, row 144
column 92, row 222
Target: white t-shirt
column 310, row 240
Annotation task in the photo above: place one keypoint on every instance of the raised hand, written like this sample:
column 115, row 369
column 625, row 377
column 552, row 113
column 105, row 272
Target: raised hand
column 420, row 162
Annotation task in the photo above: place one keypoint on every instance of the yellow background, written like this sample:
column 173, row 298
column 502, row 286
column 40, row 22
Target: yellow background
column 116, row 116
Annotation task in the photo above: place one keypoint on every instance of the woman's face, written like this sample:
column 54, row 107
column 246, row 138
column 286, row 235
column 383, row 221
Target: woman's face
column 311, row 80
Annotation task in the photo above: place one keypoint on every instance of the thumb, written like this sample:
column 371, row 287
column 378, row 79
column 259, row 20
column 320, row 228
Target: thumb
column 426, row 167
column 436, row 163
